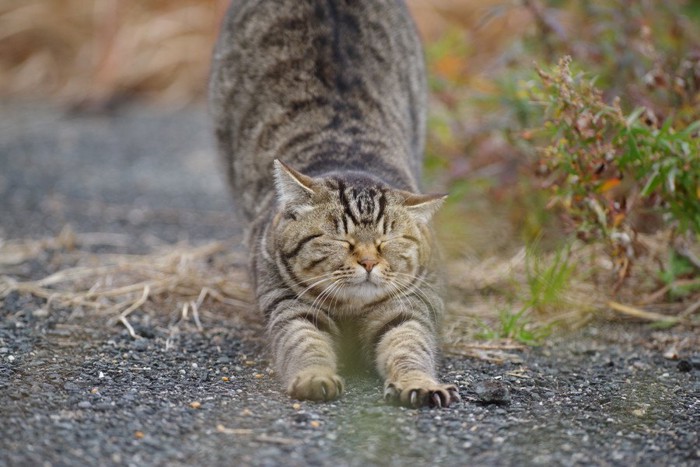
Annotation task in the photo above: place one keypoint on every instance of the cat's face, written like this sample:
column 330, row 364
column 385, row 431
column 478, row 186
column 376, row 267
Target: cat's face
column 350, row 242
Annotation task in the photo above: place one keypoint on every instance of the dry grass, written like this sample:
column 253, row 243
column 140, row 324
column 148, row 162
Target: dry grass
column 98, row 51
column 115, row 285
column 482, row 287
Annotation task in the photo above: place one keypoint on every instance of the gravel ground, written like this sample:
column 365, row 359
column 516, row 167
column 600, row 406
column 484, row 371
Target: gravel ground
column 77, row 391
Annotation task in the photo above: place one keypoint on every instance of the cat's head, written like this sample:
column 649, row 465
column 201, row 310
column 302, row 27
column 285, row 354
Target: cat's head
column 350, row 239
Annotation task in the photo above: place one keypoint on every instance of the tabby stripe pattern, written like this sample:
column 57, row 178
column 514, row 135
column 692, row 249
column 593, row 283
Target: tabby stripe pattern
column 319, row 107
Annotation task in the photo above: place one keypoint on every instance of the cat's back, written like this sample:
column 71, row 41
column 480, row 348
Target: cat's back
column 324, row 85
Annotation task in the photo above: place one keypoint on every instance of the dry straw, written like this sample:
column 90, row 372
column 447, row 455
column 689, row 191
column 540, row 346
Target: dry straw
column 116, row 285
column 97, row 50
column 482, row 288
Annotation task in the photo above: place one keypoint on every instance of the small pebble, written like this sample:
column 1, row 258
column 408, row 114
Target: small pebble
column 195, row 404
column 684, row 366
column 224, row 379
column 671, row 353
column 138, row 434
column 84, row 404
column 315, row 423
column 492, row 392
column 40, row 313
column 70, row 386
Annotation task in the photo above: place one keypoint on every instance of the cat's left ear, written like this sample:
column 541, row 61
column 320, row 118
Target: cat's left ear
column 423, row 207
column 294, row 189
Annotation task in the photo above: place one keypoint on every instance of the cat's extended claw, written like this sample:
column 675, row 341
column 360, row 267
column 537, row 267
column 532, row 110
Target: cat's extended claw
column 454, row 394
column 390, row 393
column 429, row 394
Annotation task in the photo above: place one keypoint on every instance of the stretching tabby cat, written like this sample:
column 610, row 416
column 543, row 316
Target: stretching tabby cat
column 341, row 249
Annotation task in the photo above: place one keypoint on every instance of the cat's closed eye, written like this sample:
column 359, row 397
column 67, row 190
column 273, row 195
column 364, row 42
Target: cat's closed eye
column 349, row 243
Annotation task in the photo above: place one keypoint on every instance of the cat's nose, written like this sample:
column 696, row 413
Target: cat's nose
column 368, row 263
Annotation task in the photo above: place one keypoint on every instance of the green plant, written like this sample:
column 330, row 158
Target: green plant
column 605, row 168
column 516, row 326
column 603, row 146
column 547, row 281
column 677, row 269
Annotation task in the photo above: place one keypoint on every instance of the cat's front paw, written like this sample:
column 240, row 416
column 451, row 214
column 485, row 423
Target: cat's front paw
column 421, row 393
column 318, row 384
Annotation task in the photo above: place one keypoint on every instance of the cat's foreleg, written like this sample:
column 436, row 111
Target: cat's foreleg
column 405, row 355
column 303, row 346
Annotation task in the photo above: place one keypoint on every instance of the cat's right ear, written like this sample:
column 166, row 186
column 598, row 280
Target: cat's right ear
column 294, row 189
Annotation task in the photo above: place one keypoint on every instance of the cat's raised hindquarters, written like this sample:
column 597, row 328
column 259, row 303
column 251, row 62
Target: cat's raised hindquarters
column 341, row 234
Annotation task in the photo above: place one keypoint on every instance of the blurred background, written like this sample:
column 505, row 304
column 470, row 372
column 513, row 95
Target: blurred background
column 96, row 50
column 564, row 131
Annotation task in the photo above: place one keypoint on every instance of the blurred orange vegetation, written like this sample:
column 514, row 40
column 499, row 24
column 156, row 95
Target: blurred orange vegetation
column 484, row 27
column 97, row 50
column 78, row 51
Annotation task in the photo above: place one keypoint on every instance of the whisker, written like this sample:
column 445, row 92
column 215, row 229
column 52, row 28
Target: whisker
column 420, row 295
column 299, row 295
column 329, row 291
column 396, row 294
column 419, row 279
column 337, row 290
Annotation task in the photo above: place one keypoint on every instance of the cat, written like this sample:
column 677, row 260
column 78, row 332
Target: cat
column 320, row 112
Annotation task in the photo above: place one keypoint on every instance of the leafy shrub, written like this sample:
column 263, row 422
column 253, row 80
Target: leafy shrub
column 604, row 166
column 608, row 133
column 613, row 128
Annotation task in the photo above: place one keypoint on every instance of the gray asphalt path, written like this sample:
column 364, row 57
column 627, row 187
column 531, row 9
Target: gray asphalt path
column 76, row 391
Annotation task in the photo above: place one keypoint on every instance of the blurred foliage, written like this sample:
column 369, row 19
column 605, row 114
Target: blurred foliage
column 102, row 52
column 676, row 277
column 604, row 166
column 515, row 326
column 547, row 280
column 614, row 142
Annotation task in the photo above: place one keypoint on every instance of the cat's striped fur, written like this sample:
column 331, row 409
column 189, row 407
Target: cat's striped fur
column 341, row 247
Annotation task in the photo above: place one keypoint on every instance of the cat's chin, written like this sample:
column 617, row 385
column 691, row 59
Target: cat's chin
column 362, row 293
